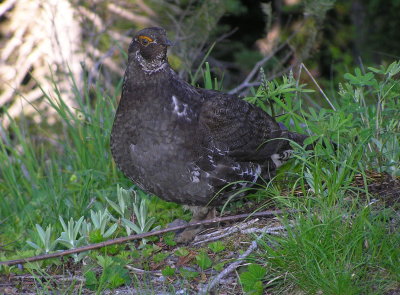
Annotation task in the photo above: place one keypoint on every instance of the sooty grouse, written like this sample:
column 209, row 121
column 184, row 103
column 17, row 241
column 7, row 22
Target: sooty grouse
column 184, row 144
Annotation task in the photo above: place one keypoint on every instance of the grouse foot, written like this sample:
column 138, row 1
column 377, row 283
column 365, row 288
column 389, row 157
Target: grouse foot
column 199, row 214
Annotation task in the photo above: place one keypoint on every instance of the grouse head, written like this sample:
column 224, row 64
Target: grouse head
column 149, row 48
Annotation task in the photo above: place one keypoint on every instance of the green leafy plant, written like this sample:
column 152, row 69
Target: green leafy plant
column 217, row 246
column 86, row 228
column 373, row 98
column 149, row 250
column 203, row 260
column 123, row 197
column 100, row 219
column 168, row 271
column 45, row 237
column 160, row 257
column 140, row 210
column 169, row 239
column 135, row 217
column 219, row 266
column 144, row 223
column 113, row 274
column 336, row 250
column 182, row 252
column 71, row 238
column 360, row 79
column 188, row 274
column 252, row 279
column 278, row 98
column 330, row 241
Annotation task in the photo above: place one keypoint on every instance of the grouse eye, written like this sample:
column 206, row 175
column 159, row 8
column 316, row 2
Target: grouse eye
column 144, row 40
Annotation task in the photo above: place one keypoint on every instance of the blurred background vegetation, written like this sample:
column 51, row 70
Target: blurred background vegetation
column 47, row 41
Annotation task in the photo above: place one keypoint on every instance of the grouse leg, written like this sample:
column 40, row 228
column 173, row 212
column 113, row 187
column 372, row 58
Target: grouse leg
column 199, row 213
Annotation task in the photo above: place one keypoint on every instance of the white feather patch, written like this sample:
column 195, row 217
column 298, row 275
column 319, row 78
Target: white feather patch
column 180, row 109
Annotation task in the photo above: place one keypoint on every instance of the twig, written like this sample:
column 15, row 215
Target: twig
column 130, row 16
column 226, row 35
column 145, row 8
column 141, row 236
column 319, row 88
column 228, row 270
column 50, row 277
column 93, row 17
column 257, row 66
column 265, row 230
column 269, row 78
column 240, row 226
column 5, row 6
column 223, row 233
column 216, row 280
column 104, row 58
column 141, row 271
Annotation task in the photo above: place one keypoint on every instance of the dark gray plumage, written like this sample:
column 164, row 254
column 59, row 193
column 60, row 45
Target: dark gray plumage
column 183, row 143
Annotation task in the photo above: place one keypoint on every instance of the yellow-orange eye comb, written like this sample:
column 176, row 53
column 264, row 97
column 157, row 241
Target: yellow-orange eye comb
column 145, row 40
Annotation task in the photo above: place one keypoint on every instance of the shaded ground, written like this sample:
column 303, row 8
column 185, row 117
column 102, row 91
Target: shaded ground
column 383, row 187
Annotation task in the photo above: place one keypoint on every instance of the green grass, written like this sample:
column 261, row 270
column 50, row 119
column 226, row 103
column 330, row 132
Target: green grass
column 343, row 240
column 51, row 171
column 336, row 253
column 340, row 242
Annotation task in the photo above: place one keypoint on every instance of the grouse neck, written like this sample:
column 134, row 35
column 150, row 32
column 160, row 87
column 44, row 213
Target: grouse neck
column 159, row 63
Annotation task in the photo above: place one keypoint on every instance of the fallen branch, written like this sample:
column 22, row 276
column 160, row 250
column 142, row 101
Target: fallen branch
column 228, row 270
column 266, row 230
column 141, row 271
column 217, row 235
column 141, row 236
column 217, row 279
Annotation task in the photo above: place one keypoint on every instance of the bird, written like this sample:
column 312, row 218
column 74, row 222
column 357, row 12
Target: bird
column 186, row 144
